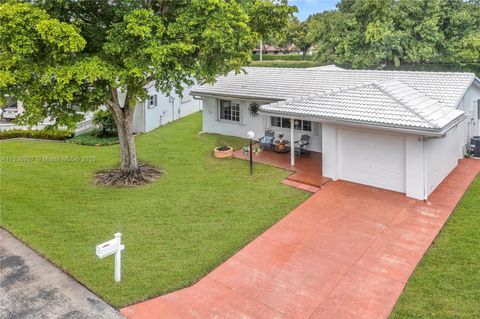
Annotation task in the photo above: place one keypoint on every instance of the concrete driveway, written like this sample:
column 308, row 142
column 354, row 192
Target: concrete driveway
column 33, row 288
column 346, row 252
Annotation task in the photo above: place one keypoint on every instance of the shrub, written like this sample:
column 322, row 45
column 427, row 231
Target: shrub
column 93, row 139
column 105, row 123
column 223, row 147
column 45, row 134
column 284, row 57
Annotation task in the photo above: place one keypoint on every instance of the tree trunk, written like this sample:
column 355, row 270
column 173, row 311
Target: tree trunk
column 123, row 118
column 127, row 143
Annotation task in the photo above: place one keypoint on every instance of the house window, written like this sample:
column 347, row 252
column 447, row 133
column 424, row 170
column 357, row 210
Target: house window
column 283, row 122
column 478, row 109
column 307, row 126
column 229, row 111
column 276, row 121
column 152, row 101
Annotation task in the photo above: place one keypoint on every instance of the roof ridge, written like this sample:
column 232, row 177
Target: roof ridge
column 366, row 70
column 380, row 86
column 321, row 94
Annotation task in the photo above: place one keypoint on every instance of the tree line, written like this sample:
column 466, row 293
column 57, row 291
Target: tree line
column 391, row 32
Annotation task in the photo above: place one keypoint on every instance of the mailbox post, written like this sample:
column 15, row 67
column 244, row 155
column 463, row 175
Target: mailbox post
column 118, row 258
column 251, row 136
column 113, row 246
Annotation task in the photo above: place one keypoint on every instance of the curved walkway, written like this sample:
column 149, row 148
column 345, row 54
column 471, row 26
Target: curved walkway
column 346, row 252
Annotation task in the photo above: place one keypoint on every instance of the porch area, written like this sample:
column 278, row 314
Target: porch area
column 306, row 173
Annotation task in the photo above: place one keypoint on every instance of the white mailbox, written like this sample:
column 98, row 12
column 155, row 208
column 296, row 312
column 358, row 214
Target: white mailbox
column 113, row 246
column 107, row 248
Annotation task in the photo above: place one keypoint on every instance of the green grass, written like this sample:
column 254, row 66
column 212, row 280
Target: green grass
column 446, row 284
column 175, row 230
column 93, row 140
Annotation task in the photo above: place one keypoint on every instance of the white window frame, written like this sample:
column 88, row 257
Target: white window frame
column 152, row 101
column 287, row 128
column 232, row 102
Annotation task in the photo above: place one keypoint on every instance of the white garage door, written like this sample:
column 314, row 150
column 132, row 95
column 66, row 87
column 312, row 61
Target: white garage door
column 371, row 158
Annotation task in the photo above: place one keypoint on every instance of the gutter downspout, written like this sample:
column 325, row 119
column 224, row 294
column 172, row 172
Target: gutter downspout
column 292, row 144
column 425, row 196
column 145, row 116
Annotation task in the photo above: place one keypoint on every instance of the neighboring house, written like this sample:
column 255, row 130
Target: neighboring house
column 160, row 109
column 402, row 131
column 11, row 110
column 293, row 49
column 312, row 50
column 15, row 108
column 277, row 50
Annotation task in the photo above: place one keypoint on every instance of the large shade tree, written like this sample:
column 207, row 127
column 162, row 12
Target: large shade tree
column 64, row 56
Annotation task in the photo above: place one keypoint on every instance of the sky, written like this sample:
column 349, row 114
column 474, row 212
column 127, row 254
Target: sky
column 308, row 7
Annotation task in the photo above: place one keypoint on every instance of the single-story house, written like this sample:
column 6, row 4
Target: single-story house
column 160, row 108
column 397, row 130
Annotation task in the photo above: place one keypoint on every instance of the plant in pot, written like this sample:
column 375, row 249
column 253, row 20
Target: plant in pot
column 223, row 151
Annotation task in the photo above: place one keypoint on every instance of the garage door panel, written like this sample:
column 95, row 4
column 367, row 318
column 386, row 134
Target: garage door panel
column 363, row 164
column 375, row 159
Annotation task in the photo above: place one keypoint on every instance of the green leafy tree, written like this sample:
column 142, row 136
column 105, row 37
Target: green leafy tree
column 334, row 34
column 299, row 35
column 62, row 56
column 367, row 32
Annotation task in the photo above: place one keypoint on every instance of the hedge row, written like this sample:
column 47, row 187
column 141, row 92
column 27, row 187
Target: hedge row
column 283, row 57
column 285, row 64
column 93, row 139
column 39, row 134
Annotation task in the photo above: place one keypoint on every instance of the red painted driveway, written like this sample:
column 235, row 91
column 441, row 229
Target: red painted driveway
column 346, row 252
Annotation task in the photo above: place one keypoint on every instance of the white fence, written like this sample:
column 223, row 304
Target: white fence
column 82, row 127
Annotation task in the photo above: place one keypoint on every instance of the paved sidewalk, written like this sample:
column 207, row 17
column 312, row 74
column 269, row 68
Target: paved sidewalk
column 346, row 252
column 33, row 288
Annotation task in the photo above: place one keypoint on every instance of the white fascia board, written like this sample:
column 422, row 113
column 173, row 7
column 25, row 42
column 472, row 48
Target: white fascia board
column 233, row 96
column 390, row 128
column 475, row 81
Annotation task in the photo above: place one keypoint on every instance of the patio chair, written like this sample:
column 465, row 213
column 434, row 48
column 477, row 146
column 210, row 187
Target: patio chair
column 266, row 142
column 302, row 144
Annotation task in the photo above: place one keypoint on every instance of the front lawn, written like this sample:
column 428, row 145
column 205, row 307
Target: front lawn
column 200, row 212
column 446, row 284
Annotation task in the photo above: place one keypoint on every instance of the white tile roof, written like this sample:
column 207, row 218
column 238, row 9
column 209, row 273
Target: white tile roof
column 395, row 98
column 388, row 104
column 325, row 67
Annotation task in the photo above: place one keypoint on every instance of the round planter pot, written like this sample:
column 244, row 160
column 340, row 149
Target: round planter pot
column 223, row 154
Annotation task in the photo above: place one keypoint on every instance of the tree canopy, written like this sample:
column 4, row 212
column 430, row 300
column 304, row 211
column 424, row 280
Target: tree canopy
column 367, row 32
column 64, row 56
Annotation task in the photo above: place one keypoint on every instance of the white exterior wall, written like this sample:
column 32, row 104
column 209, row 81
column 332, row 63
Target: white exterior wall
column 414, row 166
column 138, row 122
column 329, row 155
column 213, row 124
column 168, row 109
column 442, row 155
column 471, row 126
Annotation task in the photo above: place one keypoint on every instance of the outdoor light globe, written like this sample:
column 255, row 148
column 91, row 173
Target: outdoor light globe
column 251, row 135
